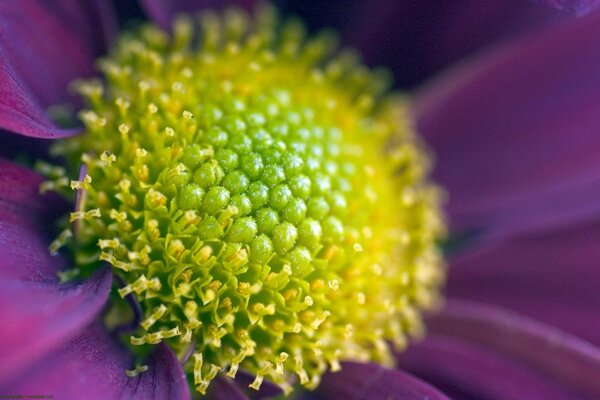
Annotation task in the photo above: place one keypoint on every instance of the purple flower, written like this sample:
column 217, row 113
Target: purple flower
column 515, row 132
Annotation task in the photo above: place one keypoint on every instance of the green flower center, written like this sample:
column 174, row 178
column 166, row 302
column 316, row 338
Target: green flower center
column 260, row 194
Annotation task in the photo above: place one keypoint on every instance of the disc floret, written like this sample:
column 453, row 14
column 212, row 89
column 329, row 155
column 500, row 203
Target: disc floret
column 260, row 194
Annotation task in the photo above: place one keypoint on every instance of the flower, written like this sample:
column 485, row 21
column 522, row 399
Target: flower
column 515, row 211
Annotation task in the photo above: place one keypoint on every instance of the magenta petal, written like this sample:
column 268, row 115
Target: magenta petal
column 373, row 382
column 92, row 366
column 562, row 358
column 36, row 312
column 576, row 6
column 37, row 317
column 516, row 132
column 44, row 47
column 162, row 12
column 551, row 277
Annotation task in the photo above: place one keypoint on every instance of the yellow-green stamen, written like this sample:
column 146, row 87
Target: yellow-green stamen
column 260, row 194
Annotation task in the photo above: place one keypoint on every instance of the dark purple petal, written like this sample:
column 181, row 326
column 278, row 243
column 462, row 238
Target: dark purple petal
column 162, row 12
column 516, row 133
column 373, row 382
column 36, row 311
column 551, row 277
column 92, row 366
column 165, row 379
column 556, row 356
column 224, row 388
column 415, row 39
column 464, row 370
column 43, row 47
column 20, row 111
column 25, row 220
column 579, row 7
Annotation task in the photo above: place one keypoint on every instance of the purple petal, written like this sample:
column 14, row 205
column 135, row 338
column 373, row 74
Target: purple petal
column 25, row 219
column 36, row 312
column 92, row 366
column 224, row 388
column 373, row 382
column 37, row 317
column 579, row 7
column 165, row 379
column 466, row 370
column 552, row 277
column 554, row 355
column 45, row 46
column 415, row 39
column 162, row 12
column 516, row 132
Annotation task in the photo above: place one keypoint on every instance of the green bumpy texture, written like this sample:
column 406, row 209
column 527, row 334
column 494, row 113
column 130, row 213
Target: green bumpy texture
column 260, row 193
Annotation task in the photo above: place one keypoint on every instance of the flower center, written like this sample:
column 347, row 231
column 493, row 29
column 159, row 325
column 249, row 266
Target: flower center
column 260, row 195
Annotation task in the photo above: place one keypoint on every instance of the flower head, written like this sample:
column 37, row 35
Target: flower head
column 242, row 182
column 524, row 230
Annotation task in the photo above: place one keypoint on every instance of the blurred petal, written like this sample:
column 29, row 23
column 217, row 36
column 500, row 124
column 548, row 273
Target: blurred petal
column 36, row 312
column 415, row 39
column 224, row 388
column 92, row 366
column 516, row 133
column 162, row 12
column 373, row 382
column 464, row 370
column 44, row 46
column 577, row 6
column 564, row 359
column 551, row 277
